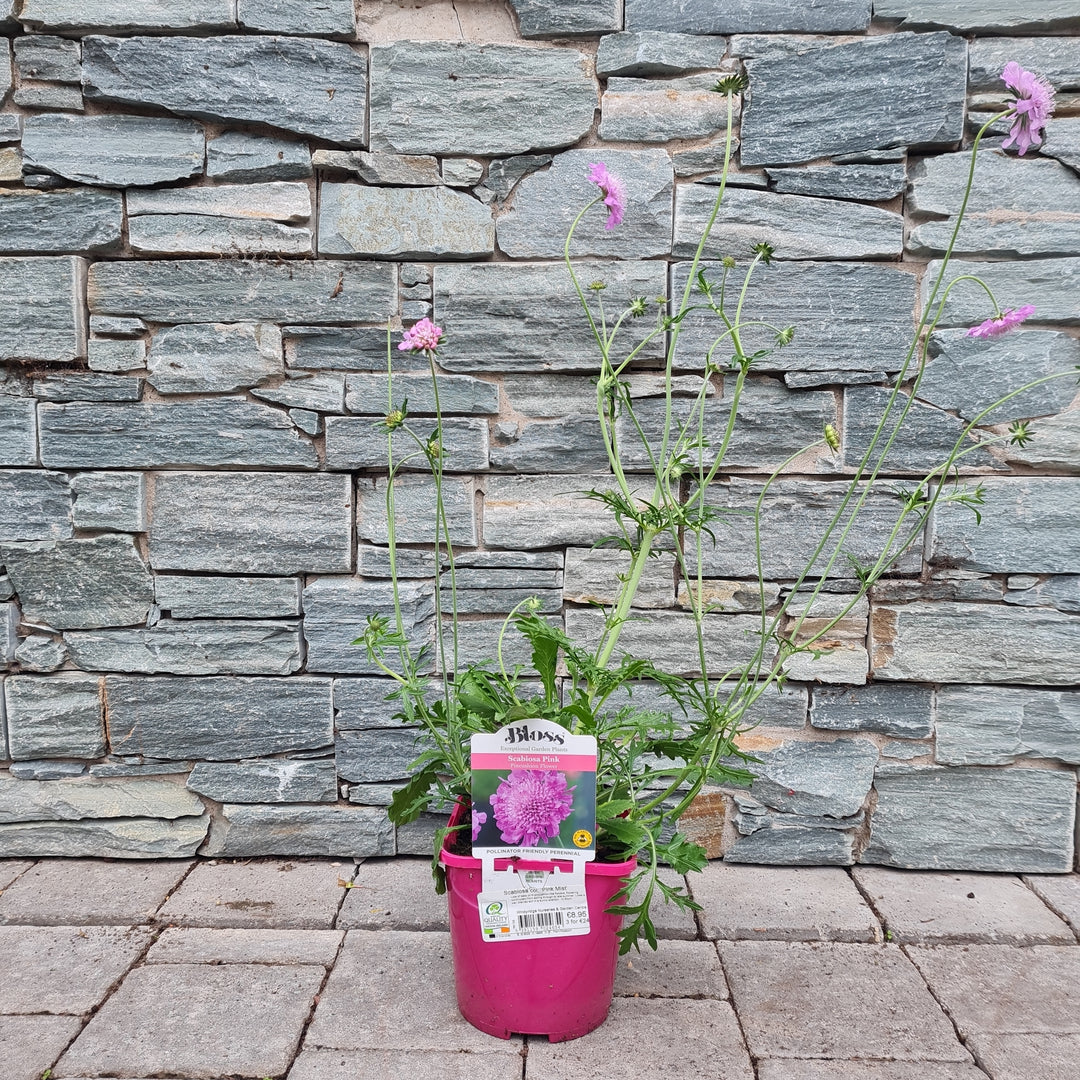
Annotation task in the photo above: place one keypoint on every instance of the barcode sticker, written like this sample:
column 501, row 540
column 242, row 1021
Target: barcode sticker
column 534, row 905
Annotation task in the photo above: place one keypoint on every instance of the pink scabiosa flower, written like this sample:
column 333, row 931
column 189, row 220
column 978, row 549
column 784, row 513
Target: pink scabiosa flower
column 478, row 819
column 1032, row 106
column 614, row 193
column 530, row 805
column 423, row 337
column 1003, row 323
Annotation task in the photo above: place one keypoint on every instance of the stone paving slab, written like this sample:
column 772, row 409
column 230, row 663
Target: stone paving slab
column 868, row 1070
column 1035, row 989
column 286, row 894
column 198, row 945
column 394, row 990
column 835, row 1000
column 64, row 969
column 678, row 1040
column 678, row 969
column 10, row 869
column 83, row 892
column 393, row 894
column 404, row 1065
column 30, row 1044
column 195, row 1020
column 1061, row 892
column 1027, row 1057
column 818, row 903
column 926, row 907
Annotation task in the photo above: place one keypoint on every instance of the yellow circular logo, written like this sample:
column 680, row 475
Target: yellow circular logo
column 582, row 838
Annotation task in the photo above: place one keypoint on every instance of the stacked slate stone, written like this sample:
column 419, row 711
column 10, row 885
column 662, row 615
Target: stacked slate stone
column 209, row 210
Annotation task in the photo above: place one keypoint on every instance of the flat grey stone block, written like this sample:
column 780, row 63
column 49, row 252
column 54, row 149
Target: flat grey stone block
column 64, row 969
column 1061, row 893
column 114, row 151
column 271, row 80
column 393, row 894
column 336, row 612
column 235, row 290
column 781, row 903
column 546, row 203
column 57, row 717
column 273, row 780
column 486, row 302
column 412, row 223
column 992, row 15
column 934, row 817
column 197, row 945
column 265, row 893
column 225, row 431
column 191, row 647
column 1017, row 207
column 203, row 234
column 257, row 523
column 944, row 642
column 394, row 990
column 746, row 16
column 126, row 16
column 989, row 725
column 112, row 501
column 1034, row 989
column 30, row 1044
column 446, row 97
column 414, row 512
column 910, row 88
column 41, row 308
column 708, row 1043
column 657, row 53
column 656, row 110
column 105, row 838
column 928, row 908
column 895, row 709
column 797, row 226
column 244, row 1018
column 80, row 584
column 214, row 359
column 218, row 718
column 72, row 219
column 836, row 1001
column 678, row 969
column 1031, row 527
column 332, row 18
column 185, row 597
column 78, row 892
column 404, row 1065
column 351, row 832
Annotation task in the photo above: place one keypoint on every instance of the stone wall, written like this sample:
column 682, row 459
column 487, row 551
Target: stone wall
column 209, row 209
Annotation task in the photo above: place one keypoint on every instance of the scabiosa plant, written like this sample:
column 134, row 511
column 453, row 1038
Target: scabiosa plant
column 531, row 804
column 614, row 192
column 1032, row 107
column 1003, row 323
column 425, row 336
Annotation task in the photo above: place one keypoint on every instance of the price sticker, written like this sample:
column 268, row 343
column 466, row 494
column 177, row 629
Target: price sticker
column 533, row 904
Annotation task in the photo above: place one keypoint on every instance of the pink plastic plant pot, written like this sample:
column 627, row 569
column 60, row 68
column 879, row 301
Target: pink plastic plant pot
column 559, row 987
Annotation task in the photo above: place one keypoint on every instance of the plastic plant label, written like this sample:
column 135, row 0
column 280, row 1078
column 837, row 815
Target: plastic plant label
column 518, row 904
column 534, row 792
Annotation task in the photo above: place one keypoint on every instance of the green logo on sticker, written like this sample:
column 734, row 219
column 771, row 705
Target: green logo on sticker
column 494, row 908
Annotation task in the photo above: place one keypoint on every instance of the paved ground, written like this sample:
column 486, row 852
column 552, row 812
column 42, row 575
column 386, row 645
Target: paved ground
column 272, row 968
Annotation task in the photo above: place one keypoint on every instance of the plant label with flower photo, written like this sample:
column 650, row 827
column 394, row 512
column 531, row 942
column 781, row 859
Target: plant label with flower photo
column 534, row 792
column 516, row 904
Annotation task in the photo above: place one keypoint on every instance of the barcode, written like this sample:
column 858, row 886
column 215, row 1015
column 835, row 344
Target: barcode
column 539, row 918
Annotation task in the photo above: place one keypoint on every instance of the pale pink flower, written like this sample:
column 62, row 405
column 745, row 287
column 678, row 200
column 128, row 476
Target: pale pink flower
column 1032, row 107
column 478, row 819
column 1003, row 324
column 614, row 193
column 530, row 805
column 423, row 337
